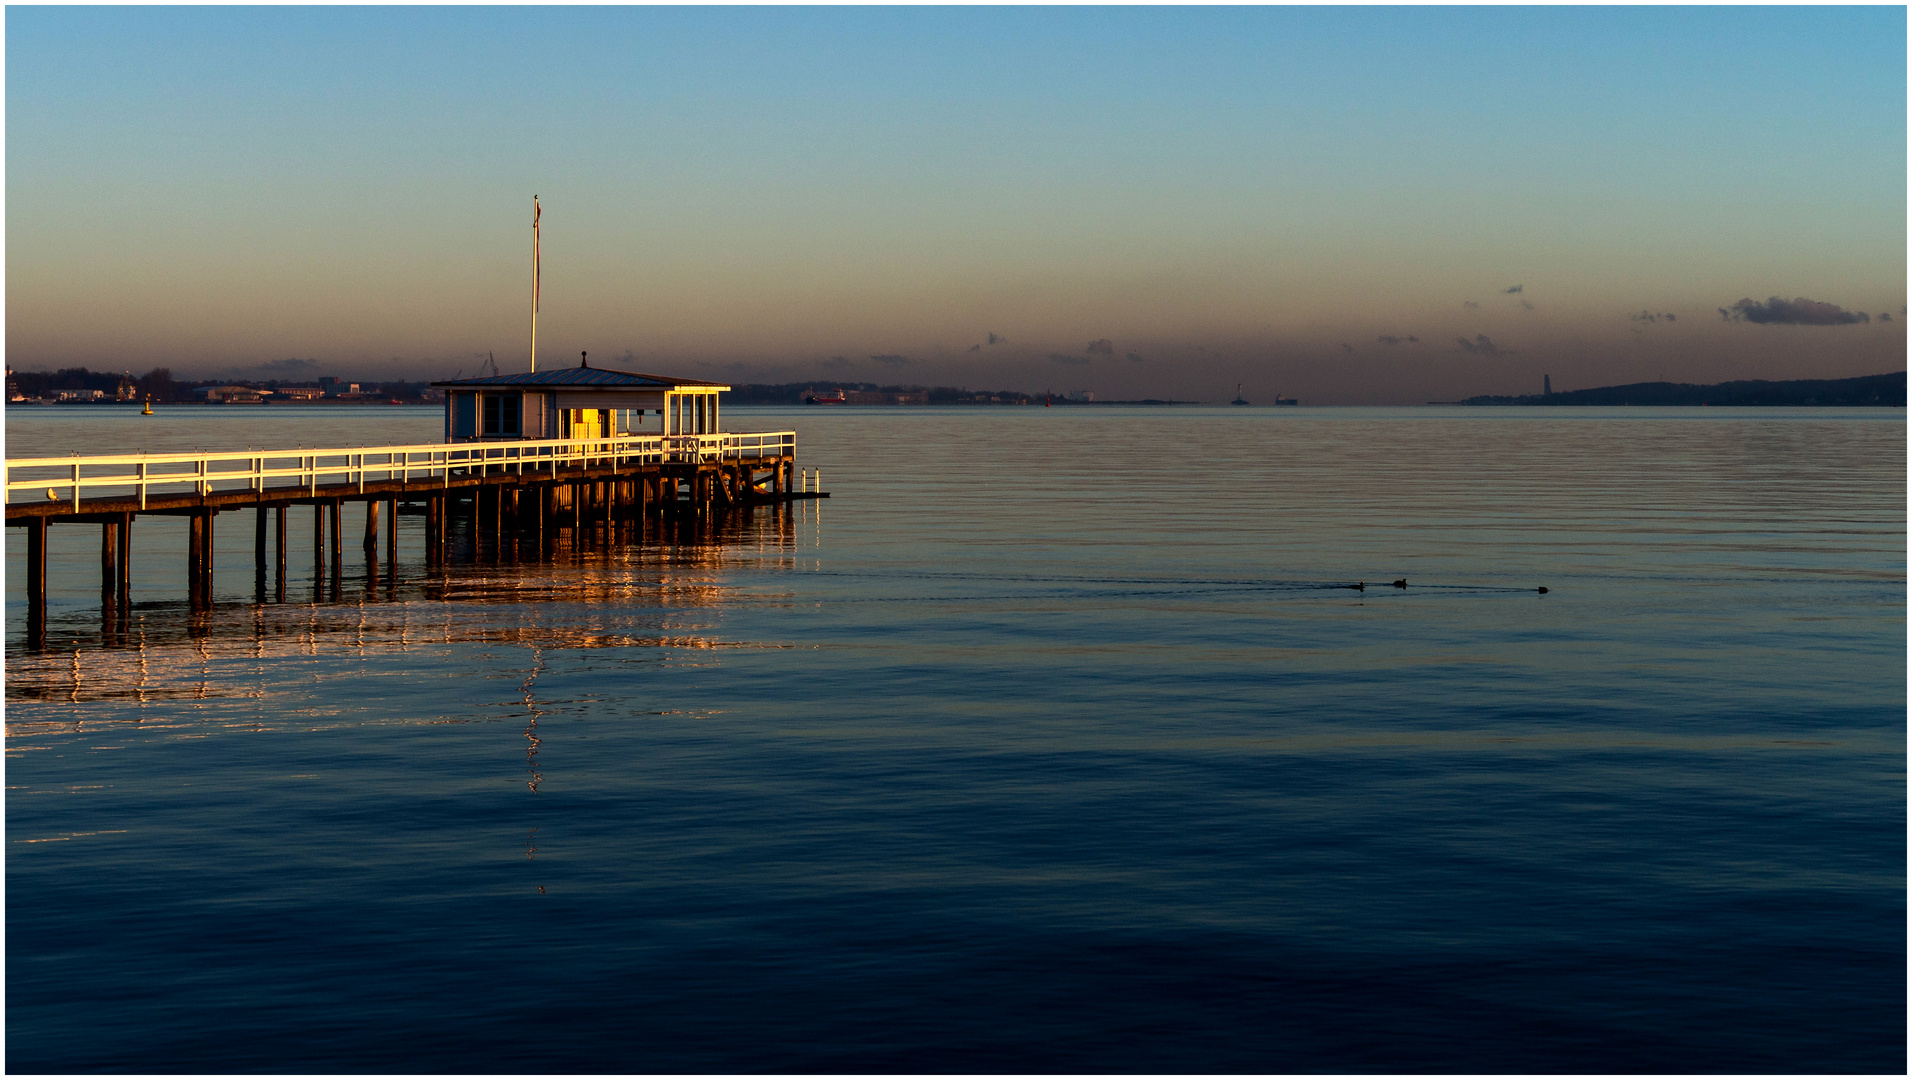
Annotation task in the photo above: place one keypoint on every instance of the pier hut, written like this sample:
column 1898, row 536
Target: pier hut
column 582, row 402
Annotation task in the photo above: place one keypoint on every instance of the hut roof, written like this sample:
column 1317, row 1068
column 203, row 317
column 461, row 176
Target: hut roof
column 595, row 378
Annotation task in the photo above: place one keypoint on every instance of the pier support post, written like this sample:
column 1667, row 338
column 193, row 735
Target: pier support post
column 195, row 528
column 199, row 560
column 495, row 522
column 123, row 570
column 510, row 529
column 434, row 516
column 278, row 541
column 109, row 562
column 391, row 537
column 36, row 582
column 371, row 527
column 338, row 544
column 259, row 553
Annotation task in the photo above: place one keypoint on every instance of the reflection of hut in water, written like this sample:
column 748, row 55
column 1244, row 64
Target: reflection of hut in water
column 578, row 403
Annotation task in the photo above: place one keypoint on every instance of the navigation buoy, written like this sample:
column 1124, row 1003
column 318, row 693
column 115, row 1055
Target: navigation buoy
column 148, row 410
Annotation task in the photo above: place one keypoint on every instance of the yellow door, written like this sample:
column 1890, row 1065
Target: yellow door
column 587, row 423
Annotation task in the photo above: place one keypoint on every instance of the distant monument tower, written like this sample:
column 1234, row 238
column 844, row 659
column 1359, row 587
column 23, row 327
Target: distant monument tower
column 1546, row 385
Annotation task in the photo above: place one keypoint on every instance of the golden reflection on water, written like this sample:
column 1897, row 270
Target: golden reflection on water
column 648, row 593
column 533, row 712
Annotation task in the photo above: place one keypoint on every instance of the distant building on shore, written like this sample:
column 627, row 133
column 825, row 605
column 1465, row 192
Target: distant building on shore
column 232, row 395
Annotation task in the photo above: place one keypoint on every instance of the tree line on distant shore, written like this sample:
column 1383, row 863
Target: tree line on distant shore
column 873, row 393
column 159, row 385
column 786, row 393
column 1887, row 389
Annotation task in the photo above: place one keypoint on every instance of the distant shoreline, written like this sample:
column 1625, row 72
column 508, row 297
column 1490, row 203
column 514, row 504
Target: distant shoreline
column 175, row 403
column 1876, row 390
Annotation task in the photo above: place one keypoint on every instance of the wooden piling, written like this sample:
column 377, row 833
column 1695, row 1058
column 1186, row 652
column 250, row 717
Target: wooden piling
column 371, row 527
column 109, row 562
column 196, row 590
column 338, row 544
column 123, row 571
column 259, row 552
column 496, row 520
column 278, row 533
column 391, row 534
column 36, row 582
column 509, row 524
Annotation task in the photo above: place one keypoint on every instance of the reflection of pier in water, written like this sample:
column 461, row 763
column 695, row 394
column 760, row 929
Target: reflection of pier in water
column 635, row 583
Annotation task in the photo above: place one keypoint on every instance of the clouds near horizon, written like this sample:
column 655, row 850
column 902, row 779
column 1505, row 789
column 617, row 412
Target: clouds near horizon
column 1798, row 311
column 1483, row 345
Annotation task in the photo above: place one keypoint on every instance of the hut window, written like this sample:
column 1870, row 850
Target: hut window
column 503, row 414
column 463, row 418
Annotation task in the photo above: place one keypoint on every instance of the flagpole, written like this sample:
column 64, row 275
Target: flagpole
column 536, row 274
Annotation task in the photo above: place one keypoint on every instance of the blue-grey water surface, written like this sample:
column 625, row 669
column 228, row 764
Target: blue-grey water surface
column 1049, row 742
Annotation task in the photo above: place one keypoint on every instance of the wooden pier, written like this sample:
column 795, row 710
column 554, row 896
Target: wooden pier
column 529, row 489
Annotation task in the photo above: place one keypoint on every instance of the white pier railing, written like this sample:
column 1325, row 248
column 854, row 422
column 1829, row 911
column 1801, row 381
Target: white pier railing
column 288, row 472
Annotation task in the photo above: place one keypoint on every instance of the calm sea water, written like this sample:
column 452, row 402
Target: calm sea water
column 1050, row 742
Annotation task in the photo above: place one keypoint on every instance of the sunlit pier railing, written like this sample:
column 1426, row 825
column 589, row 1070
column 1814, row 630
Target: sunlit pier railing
column 302, row 470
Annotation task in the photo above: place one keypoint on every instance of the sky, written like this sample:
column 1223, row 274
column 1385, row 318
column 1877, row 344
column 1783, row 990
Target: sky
column 1364, row 205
